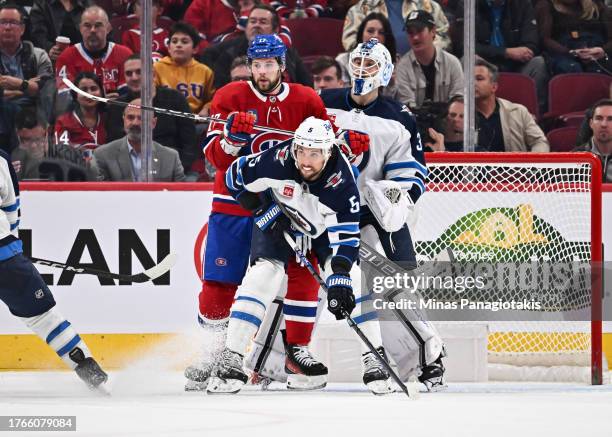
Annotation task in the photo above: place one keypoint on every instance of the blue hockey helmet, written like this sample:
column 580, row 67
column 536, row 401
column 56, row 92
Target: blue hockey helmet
column 267, row 46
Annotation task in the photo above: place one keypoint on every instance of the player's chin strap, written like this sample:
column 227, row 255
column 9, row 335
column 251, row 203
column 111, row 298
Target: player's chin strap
column 347, row 316
column 154, row 272
column 189, row 115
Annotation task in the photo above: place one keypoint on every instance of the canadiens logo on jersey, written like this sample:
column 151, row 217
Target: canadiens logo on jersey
column 334, row 180
column 266, row 140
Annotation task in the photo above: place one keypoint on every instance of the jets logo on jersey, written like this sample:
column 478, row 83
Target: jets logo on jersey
column 282, row 155
column 299, row 221
column 334, row 180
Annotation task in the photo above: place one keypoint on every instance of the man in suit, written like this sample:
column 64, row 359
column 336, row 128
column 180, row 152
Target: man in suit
column 121, row 160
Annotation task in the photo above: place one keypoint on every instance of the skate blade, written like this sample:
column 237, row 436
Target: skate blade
column 195, row 385
column 217, row 385
column 305, row 383
column 435, row 386
column 381, row 387
column 102, row 390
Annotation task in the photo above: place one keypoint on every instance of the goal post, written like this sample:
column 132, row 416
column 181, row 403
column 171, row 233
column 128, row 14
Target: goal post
column 513, row 207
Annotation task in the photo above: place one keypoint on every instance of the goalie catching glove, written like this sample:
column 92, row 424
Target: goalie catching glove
column 388, row 203
column 353, row 143
column 237, row 131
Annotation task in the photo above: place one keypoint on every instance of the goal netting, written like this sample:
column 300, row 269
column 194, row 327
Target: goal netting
column 520, row 209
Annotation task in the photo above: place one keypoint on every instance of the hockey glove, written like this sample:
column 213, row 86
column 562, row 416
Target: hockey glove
column 237, row 131
column 340, row 294
column 271, row 220
column 353, row 143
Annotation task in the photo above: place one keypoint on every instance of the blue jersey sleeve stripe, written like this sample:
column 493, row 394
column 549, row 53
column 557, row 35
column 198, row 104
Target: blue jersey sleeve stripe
column 14, row 225
column 353, row 242
column 406, row 164
column 11, row 208
column 417, row 181
column 250, row 318
column 351, row 228
column 363, row 298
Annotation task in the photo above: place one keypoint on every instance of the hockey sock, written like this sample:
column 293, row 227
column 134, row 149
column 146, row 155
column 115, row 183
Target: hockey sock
column 216, row 299
column 58, row 333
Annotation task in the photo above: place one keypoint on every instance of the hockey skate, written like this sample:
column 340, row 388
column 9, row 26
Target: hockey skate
column 375, row 376
column 304, row 372
column 228, row 375
column 197, row 376
column 89, row 371
column 432, row 376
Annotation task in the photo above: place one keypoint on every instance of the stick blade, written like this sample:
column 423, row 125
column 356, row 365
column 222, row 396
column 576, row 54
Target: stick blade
column 167, row 263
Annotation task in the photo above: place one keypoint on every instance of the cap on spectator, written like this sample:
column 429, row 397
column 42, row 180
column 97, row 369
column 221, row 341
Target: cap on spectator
column 419, row 19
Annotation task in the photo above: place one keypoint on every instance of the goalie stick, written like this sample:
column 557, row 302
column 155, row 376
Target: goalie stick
column 349, row 319
column 189, row 115
column 154, row 272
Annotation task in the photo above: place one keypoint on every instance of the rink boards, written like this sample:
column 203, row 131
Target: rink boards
column 115, row 226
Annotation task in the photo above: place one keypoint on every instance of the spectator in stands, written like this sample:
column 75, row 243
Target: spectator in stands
column 327, row 73
column 503, row 125
column 507, row 36
column 375, row 25
column 33, row 145
column 84, row 127
column 52, row 18
column 600, row 142
column 293, row 9
column 181, row 72
column 239, row 69
column 576, row 34
column 396, row 11
column 176, row 132
column 131, row 38
column 25, row 70
column 96, row 54
column 426, row 73
column 214, row 18
column 262, row 20
column 451, row 138
column 121, row 160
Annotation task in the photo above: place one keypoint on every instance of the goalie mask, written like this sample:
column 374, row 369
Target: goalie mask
column 314, row 133
column 370, row 67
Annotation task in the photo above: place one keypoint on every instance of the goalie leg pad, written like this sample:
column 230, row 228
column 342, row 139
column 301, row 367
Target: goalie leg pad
column 259, row 286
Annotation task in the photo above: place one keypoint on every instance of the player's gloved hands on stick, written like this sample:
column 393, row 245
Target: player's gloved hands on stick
column 340, row 294
column 238, row 128
column 271, row 220
column 353, row 143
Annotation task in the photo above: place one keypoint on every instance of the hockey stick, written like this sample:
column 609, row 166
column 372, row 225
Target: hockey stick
column 189, row 115
column 154, row 272
column 347, row 316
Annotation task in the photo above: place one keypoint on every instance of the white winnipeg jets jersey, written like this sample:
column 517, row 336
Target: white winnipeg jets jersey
column 396, row 152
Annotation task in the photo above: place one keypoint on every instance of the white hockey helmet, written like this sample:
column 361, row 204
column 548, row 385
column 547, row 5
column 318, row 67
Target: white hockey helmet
column 370, row 66
column 314, row 133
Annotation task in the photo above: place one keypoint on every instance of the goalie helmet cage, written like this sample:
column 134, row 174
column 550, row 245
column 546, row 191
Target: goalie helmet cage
column 523, row 206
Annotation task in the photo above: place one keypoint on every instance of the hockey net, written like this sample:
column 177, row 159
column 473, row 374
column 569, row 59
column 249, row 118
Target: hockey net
column 518, row 208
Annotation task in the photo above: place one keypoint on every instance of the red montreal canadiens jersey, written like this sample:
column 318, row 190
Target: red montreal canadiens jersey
column 285, row 110
column 131, row 39
column 109, row 68
column 70, row 130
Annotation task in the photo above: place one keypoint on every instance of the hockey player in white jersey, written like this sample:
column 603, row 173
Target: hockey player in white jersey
column 315, row 184
column 392, row 178
column 27, row 296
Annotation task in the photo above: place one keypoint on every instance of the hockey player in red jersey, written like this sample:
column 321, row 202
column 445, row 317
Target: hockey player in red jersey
column 265, row 101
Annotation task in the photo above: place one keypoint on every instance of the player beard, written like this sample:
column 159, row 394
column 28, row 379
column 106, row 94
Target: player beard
column 271, row 85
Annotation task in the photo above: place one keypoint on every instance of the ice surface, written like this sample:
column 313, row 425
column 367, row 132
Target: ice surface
column 151, row 402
